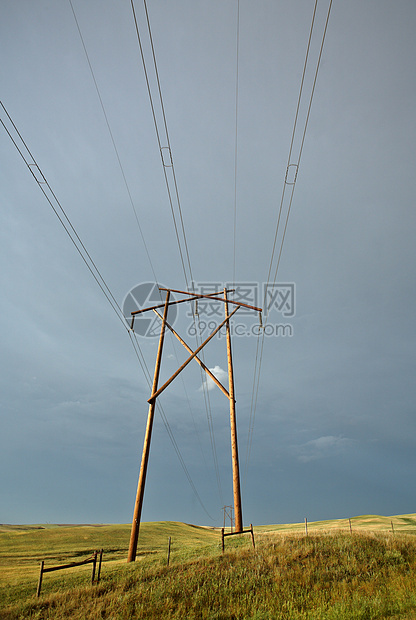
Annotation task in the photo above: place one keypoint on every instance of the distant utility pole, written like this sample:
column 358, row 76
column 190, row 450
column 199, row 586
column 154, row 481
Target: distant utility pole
column 228, row 512
column 157, row 391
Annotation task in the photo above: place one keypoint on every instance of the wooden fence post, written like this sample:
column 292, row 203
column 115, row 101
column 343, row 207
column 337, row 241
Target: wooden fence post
column 222, row 539
column 252, row 535
column 306, row 526
column 99, row 566
column 94, row 563
column 40, row 577
column 350, row 526
column 169, row 541
column 392, row 527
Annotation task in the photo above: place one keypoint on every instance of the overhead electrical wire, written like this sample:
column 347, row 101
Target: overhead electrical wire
column 59, row 211
column 260, row 336
column 169, row 429
column 187, row 270
column 113, row 142
column 303, row 140
column 170, row 163
column 236, row 141
column 137, row 346
column 260, row 340
column 210, row 423
column 168, row 141
column 182, row 245
column 66, row 223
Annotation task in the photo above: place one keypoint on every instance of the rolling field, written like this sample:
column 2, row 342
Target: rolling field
column 330, row 573
column 405, row 524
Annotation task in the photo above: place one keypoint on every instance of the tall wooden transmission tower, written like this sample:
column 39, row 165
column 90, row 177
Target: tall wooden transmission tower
column 157, row 391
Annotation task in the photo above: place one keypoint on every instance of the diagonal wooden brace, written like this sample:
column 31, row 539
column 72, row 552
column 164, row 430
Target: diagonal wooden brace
column 200, row 362
column 190, row 358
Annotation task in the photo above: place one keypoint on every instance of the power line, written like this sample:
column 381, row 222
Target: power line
column 135, row 214
column 236, row 140
column 260, row 337
column 170, row 163
column 165, row 421
column 291, row 148
column 210, row 423
column 172, row 437
column 124, row 179
column 259, row 358
column 112, row 140
column 169, row 429
column 59, row 211
column 57, row 208
column 168, row 141
column 175, row 191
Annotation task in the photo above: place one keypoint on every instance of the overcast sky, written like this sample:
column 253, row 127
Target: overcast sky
column 334, row 427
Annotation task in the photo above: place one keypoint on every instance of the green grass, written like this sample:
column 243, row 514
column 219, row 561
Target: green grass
column 330, row 574
column 375, row 523
column 22, row 548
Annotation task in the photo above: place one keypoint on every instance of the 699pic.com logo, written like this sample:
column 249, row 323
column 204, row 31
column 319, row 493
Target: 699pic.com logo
column 146, row 295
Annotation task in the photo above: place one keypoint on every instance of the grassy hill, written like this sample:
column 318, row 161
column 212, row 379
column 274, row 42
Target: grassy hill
column 374, row 523
column 331, row 573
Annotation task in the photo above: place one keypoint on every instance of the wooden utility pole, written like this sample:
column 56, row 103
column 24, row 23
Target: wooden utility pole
column 146, row 446
column 234, row 445
column 157, row 391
